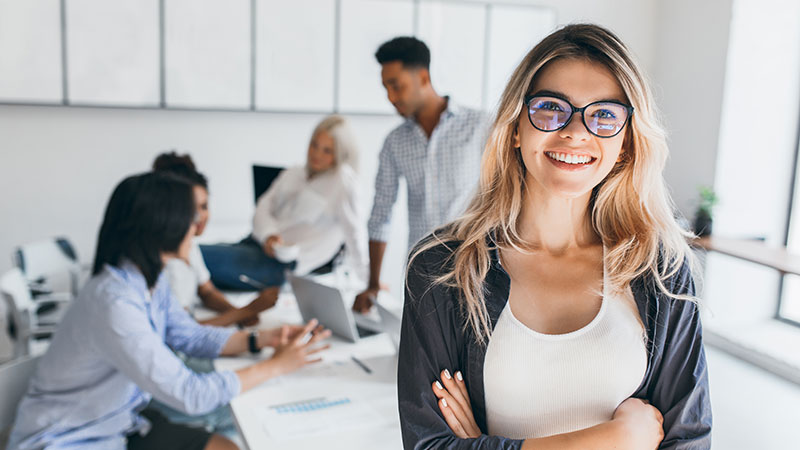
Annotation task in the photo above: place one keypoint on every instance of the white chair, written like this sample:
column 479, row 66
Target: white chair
column 21, row 309
column 50, row 265
column 14, row 378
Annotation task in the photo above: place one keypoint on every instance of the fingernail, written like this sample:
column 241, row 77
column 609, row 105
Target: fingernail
column 459, row 376
column 447, row 374
column 439, row 385
column 444, row 402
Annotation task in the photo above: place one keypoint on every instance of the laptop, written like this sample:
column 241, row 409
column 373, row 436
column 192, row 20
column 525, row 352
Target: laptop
column 390, row 323
column 328, row 306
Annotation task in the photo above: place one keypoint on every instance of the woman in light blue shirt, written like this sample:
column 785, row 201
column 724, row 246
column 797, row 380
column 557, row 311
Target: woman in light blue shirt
column 112, row 352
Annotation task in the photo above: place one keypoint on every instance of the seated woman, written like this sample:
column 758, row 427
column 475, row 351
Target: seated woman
column 112, row 352
column 559, row 311
column 190, row 280
column 314, row 209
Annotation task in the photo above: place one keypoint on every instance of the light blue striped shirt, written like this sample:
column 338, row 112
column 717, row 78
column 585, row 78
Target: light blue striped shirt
column 441, row 173
column 110, row 356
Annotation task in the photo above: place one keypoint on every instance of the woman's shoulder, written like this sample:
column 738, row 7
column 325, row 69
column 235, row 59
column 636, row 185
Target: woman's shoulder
column 346, row 179
column 427, row 292
column 293, row 172
column 346, row 172
column 434, row 254
column 114, row 286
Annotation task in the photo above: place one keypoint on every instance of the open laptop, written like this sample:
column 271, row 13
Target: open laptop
column 328, row 306
column 390, row 323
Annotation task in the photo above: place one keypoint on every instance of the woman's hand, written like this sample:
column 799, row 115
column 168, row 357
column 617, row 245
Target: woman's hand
column 292, row 350
column 455, row 405
column 273, row 337
column 643, row 422
column 270, row 243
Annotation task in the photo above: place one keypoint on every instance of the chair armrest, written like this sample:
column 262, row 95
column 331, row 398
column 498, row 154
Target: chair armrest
column 55, row 297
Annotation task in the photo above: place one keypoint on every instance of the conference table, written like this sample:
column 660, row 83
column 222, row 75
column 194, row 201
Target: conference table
column 346, row 401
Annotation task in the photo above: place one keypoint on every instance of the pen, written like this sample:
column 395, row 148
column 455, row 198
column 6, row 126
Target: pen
column 247, row 280
column 361, row 364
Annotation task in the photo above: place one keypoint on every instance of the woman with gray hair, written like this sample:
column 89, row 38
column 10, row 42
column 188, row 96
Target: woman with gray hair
column 303, row 219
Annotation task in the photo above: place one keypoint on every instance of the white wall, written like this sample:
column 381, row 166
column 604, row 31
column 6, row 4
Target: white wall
column 689, row 72
column 757, row 144
column 59, row 165
column 634, row 21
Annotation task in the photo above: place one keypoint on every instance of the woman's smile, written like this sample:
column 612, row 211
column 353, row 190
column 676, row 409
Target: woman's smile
column 569, row 160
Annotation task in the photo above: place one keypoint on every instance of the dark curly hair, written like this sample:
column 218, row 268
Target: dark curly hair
column 412, row 52
column 180, row 165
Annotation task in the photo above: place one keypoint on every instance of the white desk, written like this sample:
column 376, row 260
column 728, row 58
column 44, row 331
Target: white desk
column 336, row 377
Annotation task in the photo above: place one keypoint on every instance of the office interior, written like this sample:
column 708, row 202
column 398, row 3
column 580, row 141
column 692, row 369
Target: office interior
column 243, row 83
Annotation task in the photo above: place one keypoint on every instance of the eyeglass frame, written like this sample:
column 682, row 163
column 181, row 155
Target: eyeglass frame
column 575, row 109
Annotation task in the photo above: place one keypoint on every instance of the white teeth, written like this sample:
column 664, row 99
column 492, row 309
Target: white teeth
column 569, row 159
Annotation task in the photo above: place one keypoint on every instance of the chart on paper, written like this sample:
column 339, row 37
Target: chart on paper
column 317, row 416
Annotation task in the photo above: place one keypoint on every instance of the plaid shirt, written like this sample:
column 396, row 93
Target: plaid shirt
column 441, row 172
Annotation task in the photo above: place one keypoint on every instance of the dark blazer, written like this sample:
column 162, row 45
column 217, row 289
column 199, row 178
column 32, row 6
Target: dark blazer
column 434, row 338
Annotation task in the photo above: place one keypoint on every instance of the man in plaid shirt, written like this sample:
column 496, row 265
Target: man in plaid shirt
column 437, row 150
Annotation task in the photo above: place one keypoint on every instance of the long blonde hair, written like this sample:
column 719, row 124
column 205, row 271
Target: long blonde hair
column 631, row 209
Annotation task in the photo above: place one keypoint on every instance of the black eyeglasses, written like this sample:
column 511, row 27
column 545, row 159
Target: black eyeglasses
column 605, row 118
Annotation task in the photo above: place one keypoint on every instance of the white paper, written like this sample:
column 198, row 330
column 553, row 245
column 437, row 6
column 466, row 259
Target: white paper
column 317, row 416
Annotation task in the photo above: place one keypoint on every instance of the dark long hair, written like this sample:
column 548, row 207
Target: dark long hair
column 147, row 214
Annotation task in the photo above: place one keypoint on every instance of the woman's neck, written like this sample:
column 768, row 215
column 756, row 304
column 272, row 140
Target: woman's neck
column 556, row 224
column 313, row 174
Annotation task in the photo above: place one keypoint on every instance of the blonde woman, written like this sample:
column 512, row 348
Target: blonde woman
column 559, row 310
column 307, row 214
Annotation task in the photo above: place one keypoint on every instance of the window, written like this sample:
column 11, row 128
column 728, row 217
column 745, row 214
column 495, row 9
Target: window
column 789, row 305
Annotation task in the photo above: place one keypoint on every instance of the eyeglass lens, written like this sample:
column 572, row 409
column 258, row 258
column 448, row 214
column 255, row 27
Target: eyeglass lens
column 603, row 119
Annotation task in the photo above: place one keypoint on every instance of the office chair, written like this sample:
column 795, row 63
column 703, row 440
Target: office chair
column 263, row 176
column 24, row 321
column 49, row 265
column 14, row 378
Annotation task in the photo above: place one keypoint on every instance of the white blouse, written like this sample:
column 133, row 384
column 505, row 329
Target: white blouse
column 317, row 214
column 184, row 279
column 540, row 385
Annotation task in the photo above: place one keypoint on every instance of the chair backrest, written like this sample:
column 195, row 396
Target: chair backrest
column 263, row 176
column 14, row 378
column 20, row 310
column 53, row 260
column 14, row 285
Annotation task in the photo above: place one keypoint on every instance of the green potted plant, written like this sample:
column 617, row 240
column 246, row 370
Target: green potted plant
column 703, row 218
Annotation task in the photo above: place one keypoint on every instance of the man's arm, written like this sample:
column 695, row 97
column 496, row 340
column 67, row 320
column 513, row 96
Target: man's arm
column 212, row 298
column 364, row 300
column 387, row 183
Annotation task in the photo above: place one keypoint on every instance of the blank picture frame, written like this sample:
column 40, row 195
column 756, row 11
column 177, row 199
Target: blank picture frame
column 301, row 79
column 207, row 52
column 112, row 52
column 30, row 51
column 365, row 25
column 455, row 34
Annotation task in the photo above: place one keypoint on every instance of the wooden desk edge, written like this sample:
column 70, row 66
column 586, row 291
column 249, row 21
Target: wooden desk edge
column 753, row 251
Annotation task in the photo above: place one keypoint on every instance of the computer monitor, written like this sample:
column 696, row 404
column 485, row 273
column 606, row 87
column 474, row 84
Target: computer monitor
column 263, row 176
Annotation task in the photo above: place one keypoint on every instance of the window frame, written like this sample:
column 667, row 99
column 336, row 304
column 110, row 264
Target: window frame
column 792, row 188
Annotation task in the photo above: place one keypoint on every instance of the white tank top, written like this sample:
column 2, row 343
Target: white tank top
column 538, row 385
